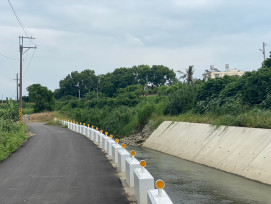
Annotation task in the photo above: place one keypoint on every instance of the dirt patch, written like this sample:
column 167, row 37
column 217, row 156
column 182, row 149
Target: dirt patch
column 39, row 117
column 30, row 134
column 138, row 138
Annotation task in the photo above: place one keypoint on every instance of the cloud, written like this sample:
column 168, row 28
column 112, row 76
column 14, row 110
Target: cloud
column 103, row 35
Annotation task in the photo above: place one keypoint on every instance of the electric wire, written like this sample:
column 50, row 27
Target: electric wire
column 21, row 23
column 30, row 61
column 10, row 58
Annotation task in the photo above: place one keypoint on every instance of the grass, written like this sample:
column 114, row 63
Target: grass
column 28, row 111
column 55, row 123
column 12, row 136
column 42, row 117
column 253, row 119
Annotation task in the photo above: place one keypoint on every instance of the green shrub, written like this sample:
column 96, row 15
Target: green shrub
column 144, row 114
column 12, row 136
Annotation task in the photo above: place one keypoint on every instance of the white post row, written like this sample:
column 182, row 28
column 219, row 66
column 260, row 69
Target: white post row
column 136, row 176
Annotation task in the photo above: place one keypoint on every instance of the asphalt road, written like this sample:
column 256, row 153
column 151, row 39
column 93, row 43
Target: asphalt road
column 58, row 166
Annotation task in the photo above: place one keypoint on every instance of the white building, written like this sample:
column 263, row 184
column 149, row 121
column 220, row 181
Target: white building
column 214, row 73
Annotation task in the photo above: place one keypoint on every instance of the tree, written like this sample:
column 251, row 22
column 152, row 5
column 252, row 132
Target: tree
column 161, row 75
column 42, row 97
column 188, row 75
column 267, row 62
column 86, row 81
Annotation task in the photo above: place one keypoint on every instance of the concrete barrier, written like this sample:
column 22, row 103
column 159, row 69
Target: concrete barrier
column 110, row 142
column 84, row 130
column 143, row 181
column 131, row 164
column 115, row 148
column 88, row 131
column 158, row 196
column 106, row 138
column 122, row 156
column 96, row 136
column 155, row 198
column 101, row 138
column 77, row 128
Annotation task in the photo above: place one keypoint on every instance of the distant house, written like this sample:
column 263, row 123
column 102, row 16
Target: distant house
column 214, row 73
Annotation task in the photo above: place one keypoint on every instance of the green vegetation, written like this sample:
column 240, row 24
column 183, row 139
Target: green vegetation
column 12, row 134
column 42, row 97
column 124, row 105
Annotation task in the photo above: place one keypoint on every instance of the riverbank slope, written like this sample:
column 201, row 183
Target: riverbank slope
column 238, row 150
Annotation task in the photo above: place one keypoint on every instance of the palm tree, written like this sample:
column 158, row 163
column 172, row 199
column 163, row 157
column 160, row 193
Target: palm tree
column 188, row 75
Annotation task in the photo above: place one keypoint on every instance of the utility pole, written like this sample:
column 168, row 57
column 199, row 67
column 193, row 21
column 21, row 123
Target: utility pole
column 79, row 94
column 147, row 87
column 17, row 87
column 21, row 49
column 264, row 51
column 98, row 89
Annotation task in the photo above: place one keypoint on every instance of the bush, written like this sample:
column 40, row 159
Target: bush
column 144, row 114
column 12, row 136
column 182, row 100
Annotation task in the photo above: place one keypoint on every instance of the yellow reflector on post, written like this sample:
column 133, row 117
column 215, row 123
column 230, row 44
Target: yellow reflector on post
column 143, row 163
column 133, row 153
column 160, row 184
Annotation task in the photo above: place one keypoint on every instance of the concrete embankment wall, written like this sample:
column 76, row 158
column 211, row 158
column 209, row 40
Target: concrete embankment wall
column 242, row 151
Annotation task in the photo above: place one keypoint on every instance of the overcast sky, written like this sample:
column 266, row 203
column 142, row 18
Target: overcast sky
column 106, row 34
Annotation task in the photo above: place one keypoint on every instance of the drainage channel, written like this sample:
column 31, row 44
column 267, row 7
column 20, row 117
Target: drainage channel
column 188, row 182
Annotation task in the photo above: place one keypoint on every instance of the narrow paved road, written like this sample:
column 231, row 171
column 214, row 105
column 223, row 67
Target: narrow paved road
column 58, row 166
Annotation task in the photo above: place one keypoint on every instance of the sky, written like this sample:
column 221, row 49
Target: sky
column 74, row 35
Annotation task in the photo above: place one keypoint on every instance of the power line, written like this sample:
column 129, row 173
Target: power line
column 20, row 22
column 30, row 61
column 10, row 58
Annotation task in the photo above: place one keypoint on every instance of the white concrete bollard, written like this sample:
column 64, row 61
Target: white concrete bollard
column 92, row 133
column 143, row 181
column 80, row 128
column 106, row 138
column 122, row 156
column 96, row 136
column 154, row 198
column 131, row 164
column 158, row 196
column 115, row 148
column 110, row 142
column 84, row 130
column 89, row 132
column 77, row 128
column 101, row 136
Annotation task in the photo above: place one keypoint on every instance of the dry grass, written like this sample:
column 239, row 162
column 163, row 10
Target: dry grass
column 41, row 117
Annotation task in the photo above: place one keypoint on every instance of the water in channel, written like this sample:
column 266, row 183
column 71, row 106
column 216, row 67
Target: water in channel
column 188, row 182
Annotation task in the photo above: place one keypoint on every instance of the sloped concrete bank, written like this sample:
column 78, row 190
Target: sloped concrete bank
column 242, row 151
